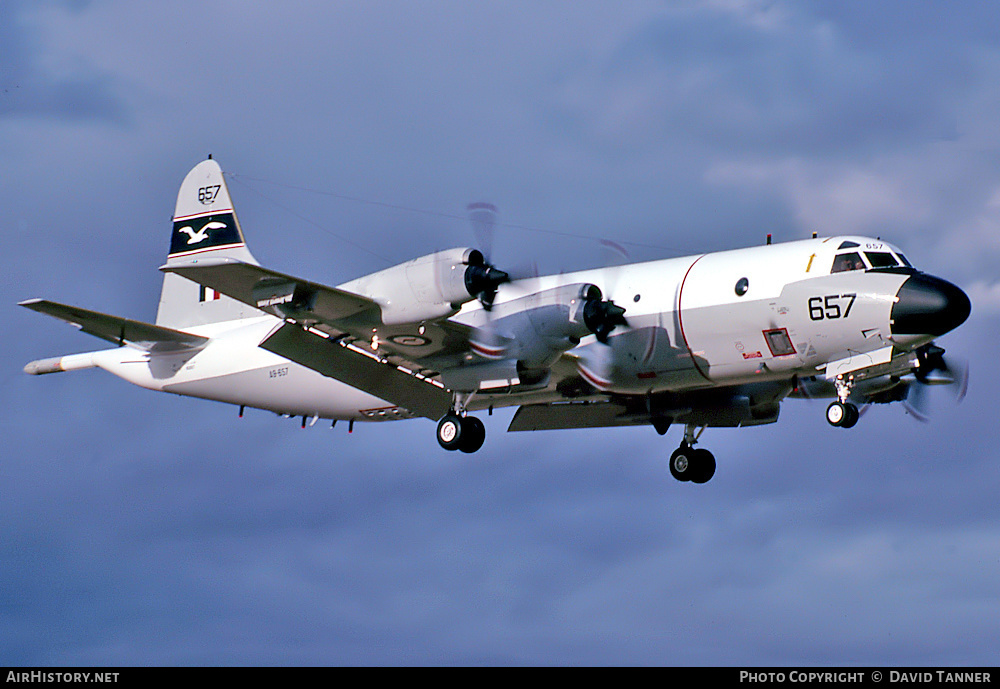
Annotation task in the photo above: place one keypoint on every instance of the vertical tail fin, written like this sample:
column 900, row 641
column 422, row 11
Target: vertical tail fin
column 204, row 223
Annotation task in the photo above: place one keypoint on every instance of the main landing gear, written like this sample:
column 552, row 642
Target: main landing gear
column 688, row 464
column 465, row 433
column 842, row 413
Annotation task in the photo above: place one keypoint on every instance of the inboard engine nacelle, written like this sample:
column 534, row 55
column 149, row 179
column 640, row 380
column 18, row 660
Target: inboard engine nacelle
column 430, row 287
column 536, row 328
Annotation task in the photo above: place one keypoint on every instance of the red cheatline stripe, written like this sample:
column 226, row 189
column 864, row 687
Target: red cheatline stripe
column 680, row 318
column 201, row 251
column 488, row 352
column 598, row 383
column 178, row 218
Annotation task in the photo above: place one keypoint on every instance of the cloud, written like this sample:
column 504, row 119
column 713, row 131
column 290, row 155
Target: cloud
column 30, row 87
column 151, row 529
column 985, row 296
column 831, row 198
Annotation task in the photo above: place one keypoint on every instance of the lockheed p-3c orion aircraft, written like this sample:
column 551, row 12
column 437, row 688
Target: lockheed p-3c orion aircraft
column 717, row 339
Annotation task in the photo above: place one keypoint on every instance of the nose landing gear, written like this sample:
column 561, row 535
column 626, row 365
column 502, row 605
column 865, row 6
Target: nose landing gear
column 842, row 413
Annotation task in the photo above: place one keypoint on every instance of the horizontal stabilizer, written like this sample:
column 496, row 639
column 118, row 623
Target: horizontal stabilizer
column 276, row 293
column 119, row 331
column 385, row 381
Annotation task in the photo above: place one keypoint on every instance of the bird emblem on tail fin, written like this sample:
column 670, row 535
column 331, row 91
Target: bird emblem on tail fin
column 202, row 234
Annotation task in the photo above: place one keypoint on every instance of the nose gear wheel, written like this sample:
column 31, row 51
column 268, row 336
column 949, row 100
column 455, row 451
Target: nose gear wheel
column 842, row 414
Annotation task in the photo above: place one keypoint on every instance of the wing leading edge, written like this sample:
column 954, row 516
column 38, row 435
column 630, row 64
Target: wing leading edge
column 117, row 330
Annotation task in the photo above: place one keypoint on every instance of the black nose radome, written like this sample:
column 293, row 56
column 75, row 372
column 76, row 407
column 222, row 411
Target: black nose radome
column 926, row 305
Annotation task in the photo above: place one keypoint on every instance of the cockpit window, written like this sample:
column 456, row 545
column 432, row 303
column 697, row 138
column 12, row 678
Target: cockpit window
column 881, row 259
column 845, row 262
column 848, row 245
column 905, row 262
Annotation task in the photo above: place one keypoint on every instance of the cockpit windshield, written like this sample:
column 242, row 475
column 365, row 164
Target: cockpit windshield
column 845, row 262
column 881, row 259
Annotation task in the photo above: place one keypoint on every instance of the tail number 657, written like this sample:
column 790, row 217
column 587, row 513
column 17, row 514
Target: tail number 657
column 831, row 306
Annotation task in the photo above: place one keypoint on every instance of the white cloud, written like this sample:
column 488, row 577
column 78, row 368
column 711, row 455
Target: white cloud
column 985, row 296
column 830, row 198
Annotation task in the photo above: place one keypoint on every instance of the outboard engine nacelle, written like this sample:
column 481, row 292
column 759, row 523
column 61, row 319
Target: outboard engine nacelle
column 430, row 287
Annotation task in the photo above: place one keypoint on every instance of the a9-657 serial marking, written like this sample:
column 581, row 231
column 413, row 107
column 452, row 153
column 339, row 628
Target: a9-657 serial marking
column 831, row 306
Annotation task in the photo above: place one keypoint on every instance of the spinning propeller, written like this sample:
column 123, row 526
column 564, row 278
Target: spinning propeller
column 600, row 315
column 934, row 369
column 482, row 278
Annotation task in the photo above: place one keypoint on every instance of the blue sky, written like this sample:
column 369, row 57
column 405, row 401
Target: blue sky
column 149, row 529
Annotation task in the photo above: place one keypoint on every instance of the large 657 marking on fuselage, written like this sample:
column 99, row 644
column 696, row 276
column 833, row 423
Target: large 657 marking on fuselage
column 829, row 307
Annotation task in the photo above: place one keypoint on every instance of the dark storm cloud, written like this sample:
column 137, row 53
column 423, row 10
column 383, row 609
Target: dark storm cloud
column 30, row 89
column 150, row 529
column 797, row 83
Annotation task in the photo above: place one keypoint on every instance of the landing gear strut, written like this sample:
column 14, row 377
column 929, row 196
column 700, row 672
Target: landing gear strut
column 842, row 413
column 688, row 464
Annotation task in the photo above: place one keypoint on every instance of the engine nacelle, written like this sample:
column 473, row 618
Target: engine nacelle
column 427, row 288
column 537, row 328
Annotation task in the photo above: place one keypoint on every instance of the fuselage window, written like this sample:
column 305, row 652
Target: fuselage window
column 845, row 262
column 880, row 259
column 779, row 342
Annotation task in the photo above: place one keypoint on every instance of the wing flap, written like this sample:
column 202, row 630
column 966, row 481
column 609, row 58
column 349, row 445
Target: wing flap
column 335, row 360
column 563, row 415
column 117, row 330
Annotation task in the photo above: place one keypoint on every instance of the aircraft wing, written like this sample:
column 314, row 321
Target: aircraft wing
column 334, row 326
column 563, row 415
column 336, row 359
column 425, row 347
column 341, row 335
column 119, row 331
